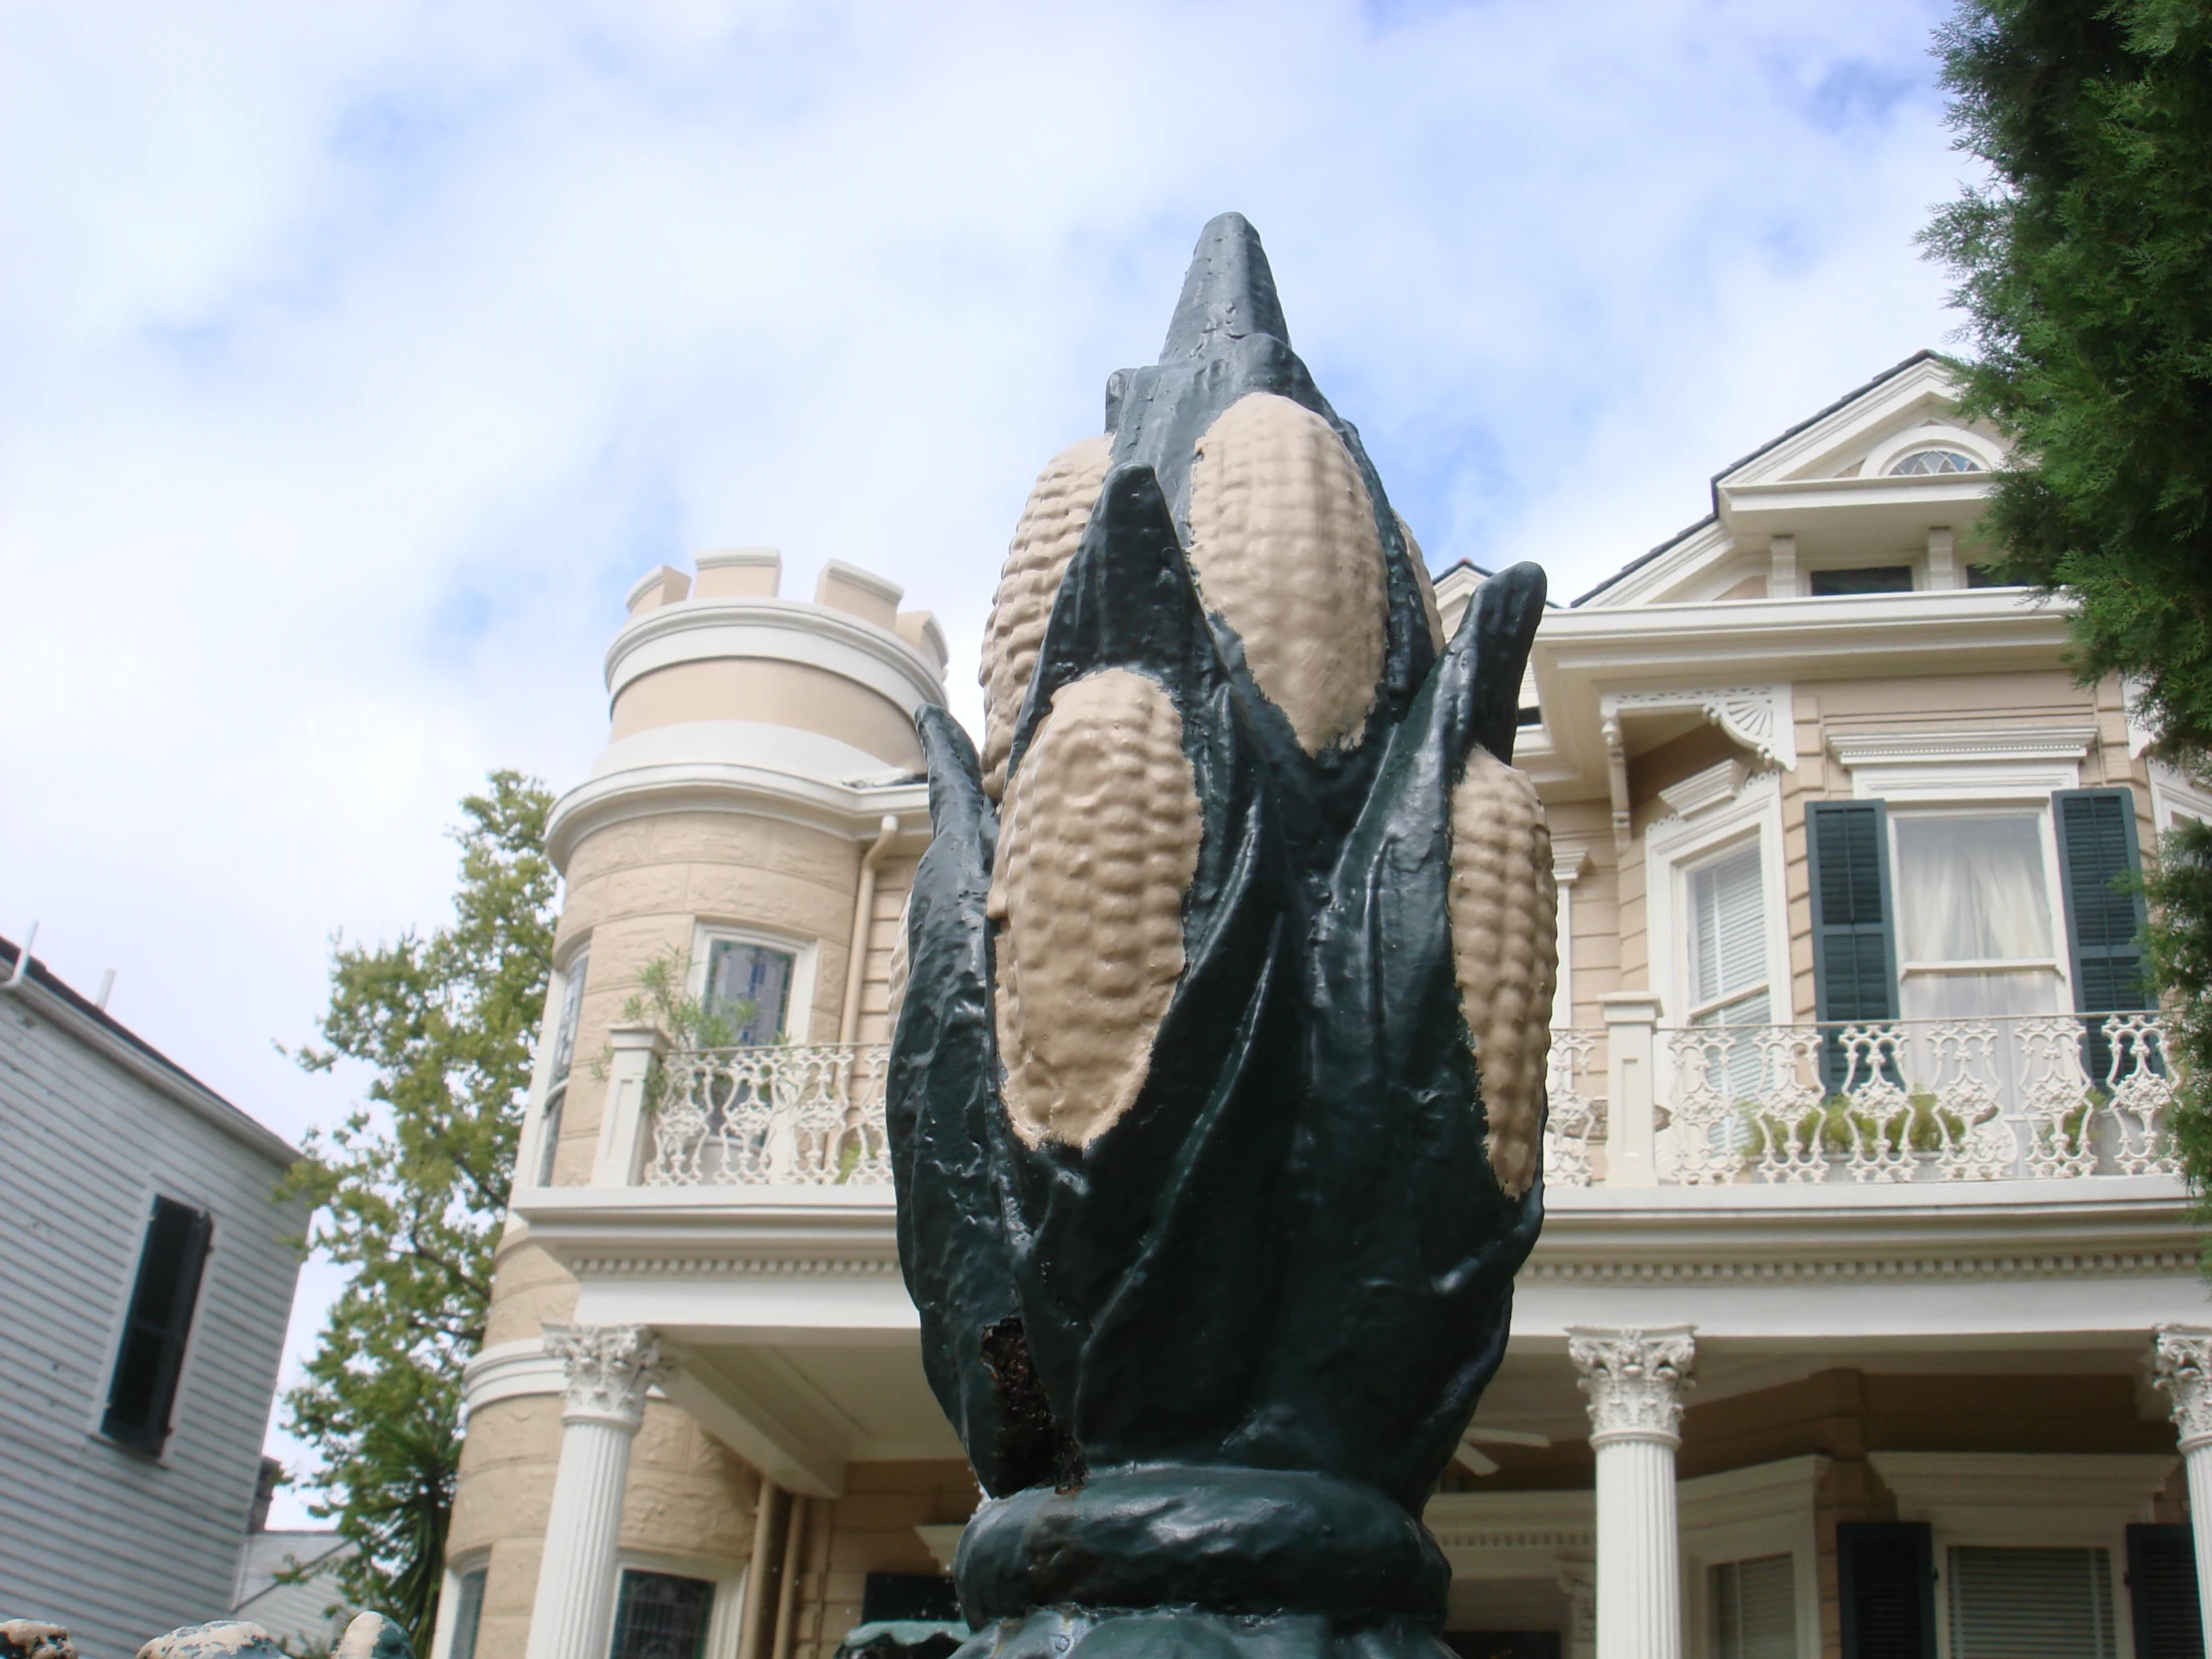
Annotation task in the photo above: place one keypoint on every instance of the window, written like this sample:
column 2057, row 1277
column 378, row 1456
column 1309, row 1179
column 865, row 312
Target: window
column 2031, row 1604
column 750, row 986
column 1834, row 584
column 144, row 1389
column 564, row 1057
column 1923, row 462
column 1989, row 576
column 1727, row 927
column 1753, row 1608
column 469, row 1613
column 661, row 1617
column 1728, row 941
column 1972, row 899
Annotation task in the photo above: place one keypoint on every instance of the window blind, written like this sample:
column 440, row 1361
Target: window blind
column 2031, row 1604
column 1753, row 1608
column 1728, row 928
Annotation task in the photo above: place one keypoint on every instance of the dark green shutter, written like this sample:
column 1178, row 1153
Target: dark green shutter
column 2162, row 1592
column 2105, row 920
column 2105, row 923
column 1886, row 1573
column 143, row 1389
column 1854, row 971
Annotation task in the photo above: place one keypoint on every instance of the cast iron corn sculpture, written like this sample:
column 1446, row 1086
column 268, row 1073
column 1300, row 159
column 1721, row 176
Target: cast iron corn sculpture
column 1216, row 1089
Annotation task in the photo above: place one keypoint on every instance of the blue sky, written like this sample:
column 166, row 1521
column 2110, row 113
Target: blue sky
column 358, row 357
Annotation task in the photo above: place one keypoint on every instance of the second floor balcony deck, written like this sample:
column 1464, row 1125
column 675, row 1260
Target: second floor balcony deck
column 2071, row 1097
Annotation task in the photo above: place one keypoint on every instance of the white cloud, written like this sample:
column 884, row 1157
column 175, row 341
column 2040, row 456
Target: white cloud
column 361, row 354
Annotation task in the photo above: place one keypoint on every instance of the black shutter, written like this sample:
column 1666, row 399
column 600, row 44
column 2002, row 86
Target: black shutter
column 2162, row 1592
column 1885, row 1572
column 2104, row 922
column 143, row 1389
column 1854, row 971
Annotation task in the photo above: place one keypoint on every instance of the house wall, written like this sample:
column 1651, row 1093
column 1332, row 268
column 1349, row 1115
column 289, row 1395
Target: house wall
column 637, row 890
column 117, row 1547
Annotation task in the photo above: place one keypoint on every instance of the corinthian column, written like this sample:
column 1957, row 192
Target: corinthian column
column 609, row 1367
column 2181, row 1363
column 1634, row 1380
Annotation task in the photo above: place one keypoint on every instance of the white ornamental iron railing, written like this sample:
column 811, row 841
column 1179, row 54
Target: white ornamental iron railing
column 2005, row 1098
column 791, row 1115
column 2011, row 1098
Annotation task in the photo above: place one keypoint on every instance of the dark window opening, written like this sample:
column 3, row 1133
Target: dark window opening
column 907, row 1596
column 2162, row 1592
column 1989, row 576
column 1530, row 716
column 469, row 1613
column 1834, row 584
column 661, row 1617
column 1503, row 1644
column 143, row 1392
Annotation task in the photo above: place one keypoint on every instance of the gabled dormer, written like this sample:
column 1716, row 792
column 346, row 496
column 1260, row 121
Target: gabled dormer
column 1879, row 492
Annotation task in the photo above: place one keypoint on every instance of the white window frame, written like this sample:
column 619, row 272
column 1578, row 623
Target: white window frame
column 2027, row 1500
column 1932, row 436
column 724, row 1622
column 449, row 1597
column 1740, row 1516
column 2054, row 896
column 1672, row 849
column 529, row 1150
column 804, row 954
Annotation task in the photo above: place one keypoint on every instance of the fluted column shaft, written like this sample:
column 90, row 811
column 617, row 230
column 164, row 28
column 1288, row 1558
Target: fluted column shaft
column 1634, row 1380
column 610, row 1369
column 2181, row 1364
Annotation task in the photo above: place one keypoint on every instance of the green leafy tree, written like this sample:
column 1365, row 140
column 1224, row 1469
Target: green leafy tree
column 410, row 1190
column 2085, row 272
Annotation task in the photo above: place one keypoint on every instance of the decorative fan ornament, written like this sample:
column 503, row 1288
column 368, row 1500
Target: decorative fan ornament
column 1216, row 1093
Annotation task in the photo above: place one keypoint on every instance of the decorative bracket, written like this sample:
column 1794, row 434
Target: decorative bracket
column 1760, row 719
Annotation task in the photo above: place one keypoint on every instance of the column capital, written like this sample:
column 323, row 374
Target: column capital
column 2181, row 1364
column 609, row 1367
column 1634, row 1380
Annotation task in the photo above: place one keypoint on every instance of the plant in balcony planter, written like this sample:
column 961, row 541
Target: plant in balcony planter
column 1216, row 1088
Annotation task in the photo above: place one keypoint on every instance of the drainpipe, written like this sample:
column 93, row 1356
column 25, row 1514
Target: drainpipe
column 23, row 952
column 787, row 1592
column 753, row 1631
column 863, row 913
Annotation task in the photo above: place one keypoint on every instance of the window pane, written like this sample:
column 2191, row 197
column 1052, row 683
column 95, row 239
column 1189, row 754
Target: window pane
column 1728, row 928
column 549, row 1136
column 1832, row 584
column 1970, row 886
column 661, row 1617
column 469, row 1612
column 572, row 1004
column 1754, row 1608
column 2030, row 1605
column 749, row 980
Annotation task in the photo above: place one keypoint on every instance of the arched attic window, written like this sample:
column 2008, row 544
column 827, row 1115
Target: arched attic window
column 1923, row 462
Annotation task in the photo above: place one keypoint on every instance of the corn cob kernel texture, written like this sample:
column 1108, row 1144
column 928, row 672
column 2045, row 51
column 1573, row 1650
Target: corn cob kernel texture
column 1044, row 541
column 1286, row 551
column 1420, row 560
column 1506, row 952
column 1097, row 849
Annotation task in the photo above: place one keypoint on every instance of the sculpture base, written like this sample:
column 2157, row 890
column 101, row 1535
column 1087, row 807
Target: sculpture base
column 1193, row 1633
column 1212, row 1559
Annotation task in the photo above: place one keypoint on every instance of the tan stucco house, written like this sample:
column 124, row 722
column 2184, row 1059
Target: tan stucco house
column 1863, row 1313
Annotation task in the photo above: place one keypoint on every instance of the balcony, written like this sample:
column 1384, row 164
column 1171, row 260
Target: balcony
column 2015, row 1098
